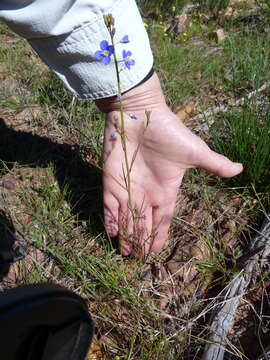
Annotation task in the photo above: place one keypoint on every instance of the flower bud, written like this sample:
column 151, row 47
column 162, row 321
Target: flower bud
column 109, row 20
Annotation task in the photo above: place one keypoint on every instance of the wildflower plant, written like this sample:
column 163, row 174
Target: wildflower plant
column 105, row 52
column 106, row 55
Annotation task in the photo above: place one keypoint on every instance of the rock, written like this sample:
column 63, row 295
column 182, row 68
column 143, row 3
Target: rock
column 9, row 182
column 9, row 185
column 219, row 35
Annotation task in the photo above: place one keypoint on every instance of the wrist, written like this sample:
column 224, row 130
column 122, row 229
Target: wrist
column 146, row 96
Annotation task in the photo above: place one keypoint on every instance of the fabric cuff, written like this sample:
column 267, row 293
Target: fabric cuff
column 71, row 56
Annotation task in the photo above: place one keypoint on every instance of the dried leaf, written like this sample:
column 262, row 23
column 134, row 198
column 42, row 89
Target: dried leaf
column 13, row 274
column 198, row 75
column 204, row 28
column 8, row 39
column 229, row 12
column 28, row 113
column 95, row 352
column 184, row 112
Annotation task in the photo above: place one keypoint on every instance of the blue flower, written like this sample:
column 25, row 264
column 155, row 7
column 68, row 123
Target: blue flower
column 127, row 60
column 104, row 55
column 113, row 136
column 125, row 39
column 132, row 116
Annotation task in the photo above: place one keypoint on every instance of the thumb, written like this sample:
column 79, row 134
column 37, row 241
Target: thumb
column 220, row 165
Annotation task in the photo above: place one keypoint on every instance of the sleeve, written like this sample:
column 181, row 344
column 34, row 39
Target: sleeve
column 67, row 33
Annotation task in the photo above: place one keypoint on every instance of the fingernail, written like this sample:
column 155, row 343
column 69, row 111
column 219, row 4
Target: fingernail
column 239, row 165
column 125, row 250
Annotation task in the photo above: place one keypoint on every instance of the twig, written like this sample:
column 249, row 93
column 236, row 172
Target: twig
column 266, row 354
column 223, row 318
column 208, row 115
column 189, row 9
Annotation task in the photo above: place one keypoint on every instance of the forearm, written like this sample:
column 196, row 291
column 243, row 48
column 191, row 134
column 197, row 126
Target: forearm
column 67, row 33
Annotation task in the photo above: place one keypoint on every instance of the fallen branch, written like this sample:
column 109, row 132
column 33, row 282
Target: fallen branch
column 208, row 115
column 266, row 354
column 223, row 319
column 189, row 9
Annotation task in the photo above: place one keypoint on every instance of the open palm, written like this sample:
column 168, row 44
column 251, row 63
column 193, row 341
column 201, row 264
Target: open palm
column 164, row 149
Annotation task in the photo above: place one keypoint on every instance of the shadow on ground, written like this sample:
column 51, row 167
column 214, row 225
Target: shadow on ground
column 7, row 240
column 82, row 180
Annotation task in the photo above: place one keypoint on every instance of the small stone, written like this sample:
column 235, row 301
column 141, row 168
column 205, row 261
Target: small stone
column 9, row 185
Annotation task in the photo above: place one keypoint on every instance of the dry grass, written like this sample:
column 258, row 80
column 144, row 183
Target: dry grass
column 50, row 198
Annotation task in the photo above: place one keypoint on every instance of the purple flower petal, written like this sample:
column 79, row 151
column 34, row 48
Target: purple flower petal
column 127, row 65
column 104, row 54
column 104, row 45
column 113, row 136
column 125, row 39
column 98, row 55
column 106, row 60
column 126, row 54
column 110, row 49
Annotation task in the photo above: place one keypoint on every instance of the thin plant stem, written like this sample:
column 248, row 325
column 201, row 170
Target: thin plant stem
column 122, row 132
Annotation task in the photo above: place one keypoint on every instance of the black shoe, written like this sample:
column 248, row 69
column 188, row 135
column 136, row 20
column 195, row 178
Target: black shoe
column 44, row 322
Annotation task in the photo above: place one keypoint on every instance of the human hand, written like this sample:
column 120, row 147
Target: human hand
column 165, row 148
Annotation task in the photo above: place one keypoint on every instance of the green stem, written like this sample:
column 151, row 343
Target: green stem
column 122, row 131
